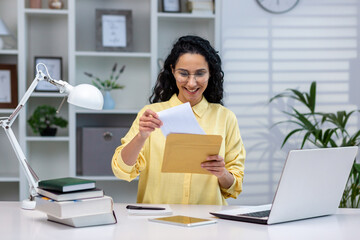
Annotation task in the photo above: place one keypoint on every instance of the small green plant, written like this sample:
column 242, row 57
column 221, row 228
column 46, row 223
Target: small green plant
column 111, row 82
column 44, row 117
column 324, row 130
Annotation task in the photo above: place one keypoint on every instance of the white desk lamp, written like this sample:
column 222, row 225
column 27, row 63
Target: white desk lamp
column 83, row 95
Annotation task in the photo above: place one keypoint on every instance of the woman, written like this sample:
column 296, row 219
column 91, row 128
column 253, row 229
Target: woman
column 192, row 73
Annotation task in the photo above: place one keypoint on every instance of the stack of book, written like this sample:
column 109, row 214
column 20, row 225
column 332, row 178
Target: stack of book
column 201, row 6
column 75, row 202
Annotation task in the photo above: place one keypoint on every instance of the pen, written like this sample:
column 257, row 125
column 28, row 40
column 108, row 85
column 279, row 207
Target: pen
column 144, row 208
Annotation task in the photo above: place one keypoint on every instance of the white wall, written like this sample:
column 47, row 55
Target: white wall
column 264, row 54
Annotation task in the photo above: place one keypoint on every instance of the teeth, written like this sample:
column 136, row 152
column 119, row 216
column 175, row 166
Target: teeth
column 192, row 90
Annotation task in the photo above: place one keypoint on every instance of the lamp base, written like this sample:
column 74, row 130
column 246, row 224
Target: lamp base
column 28, row 204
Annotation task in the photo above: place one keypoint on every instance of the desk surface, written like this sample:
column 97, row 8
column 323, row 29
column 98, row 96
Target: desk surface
column 16, row 223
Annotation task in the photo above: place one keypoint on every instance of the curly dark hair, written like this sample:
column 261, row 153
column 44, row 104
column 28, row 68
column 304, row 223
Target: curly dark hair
column 165, row 85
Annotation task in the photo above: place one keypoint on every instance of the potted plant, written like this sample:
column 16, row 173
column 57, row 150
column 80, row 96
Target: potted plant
column 323, row 130
column 108, row 84
column 44, row 121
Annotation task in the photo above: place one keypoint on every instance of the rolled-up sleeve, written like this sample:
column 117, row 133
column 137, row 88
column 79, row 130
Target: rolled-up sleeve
column 234, row 157
column 120, row 168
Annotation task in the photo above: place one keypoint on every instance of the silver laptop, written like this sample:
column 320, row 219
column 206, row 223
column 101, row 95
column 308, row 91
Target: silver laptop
column 311, row 185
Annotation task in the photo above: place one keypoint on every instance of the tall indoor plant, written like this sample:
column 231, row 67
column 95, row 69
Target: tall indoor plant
column 323, row 130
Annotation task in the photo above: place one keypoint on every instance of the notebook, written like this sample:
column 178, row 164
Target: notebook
column 311, row 185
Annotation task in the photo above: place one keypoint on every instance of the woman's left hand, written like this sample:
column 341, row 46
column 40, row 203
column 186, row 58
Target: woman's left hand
column 216, row 165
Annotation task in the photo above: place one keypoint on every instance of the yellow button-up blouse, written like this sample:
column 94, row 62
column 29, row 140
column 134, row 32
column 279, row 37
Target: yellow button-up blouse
column 184, row 188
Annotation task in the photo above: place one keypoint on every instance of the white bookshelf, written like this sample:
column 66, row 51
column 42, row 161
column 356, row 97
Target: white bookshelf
column 8, row 52
column 113, row 54
column 9, row 171
column 47, row 139
column 70, row 33
column 110, row 111
column 30, row 11
column 9, row 178
column 48, row 94
column 186, row 16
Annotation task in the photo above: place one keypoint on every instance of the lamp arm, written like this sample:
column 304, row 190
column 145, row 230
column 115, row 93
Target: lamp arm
column 29, row 172
column 7, row 122
column 6, row 125
column 39, row 76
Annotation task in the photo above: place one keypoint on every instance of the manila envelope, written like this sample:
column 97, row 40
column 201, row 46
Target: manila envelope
column 185, row 152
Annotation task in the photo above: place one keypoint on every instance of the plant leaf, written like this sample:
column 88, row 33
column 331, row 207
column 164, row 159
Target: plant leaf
column 306, row 136
column 96, row 85
column 290, row 134
column 357, row 167
column 312, row 98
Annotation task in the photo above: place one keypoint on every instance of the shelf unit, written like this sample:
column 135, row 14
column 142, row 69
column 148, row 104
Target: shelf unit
column 70, row 33
column 9, row 170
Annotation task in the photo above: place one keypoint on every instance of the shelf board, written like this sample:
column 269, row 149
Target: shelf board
column 112, row 54
column 47, row 139
column 8, row 177
column 113, row 111
column 5, row 111
column 186, row 15
column 8, row 51
column 31, row 11
column 103, row 178
column 48, row 94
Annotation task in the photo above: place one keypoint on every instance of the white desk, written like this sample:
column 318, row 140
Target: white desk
column 16, row 223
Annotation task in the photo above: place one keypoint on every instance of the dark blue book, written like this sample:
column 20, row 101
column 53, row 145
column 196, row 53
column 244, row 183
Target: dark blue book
column 67, row 196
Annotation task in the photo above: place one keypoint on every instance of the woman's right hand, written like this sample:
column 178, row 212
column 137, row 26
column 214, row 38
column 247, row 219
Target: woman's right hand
column 148, row 122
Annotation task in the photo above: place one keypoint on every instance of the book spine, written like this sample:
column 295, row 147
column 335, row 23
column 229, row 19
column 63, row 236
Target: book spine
column 50, row 186
column 85, row 207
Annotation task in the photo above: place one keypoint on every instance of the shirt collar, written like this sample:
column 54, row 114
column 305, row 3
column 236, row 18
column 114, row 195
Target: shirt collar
column 199, row 109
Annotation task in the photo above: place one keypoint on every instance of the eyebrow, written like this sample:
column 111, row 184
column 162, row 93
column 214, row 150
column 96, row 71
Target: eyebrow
column 197, row 70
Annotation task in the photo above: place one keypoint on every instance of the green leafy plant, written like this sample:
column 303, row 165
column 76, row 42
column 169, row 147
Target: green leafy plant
column 323, row 130
column 109, row 83
column 44, row 117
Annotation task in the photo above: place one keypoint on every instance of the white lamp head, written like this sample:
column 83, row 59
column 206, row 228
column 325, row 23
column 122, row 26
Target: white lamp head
column 86, row 96
column 83, row 95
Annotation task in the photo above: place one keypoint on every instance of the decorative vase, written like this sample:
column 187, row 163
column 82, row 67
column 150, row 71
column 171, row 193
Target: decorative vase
column 56, row 4
column 35, row 3
column 48, row 131
column 108, row 101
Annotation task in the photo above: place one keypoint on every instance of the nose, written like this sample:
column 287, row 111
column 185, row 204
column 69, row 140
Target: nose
column 191, row 80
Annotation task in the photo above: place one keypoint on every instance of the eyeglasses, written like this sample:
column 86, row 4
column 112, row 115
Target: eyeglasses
column 183, row 76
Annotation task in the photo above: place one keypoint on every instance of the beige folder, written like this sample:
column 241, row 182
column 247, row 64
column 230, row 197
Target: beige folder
column 185, row 152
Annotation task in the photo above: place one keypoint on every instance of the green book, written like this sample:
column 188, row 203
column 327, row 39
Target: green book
column 67, row 184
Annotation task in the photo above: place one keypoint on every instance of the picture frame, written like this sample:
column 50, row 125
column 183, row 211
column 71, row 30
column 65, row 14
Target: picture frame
column 8, row 86
column 54, row 66
column 171, row 6
column 114, row 30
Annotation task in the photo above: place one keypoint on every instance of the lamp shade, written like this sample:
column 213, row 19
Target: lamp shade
column 4, row 31
column 86, row 96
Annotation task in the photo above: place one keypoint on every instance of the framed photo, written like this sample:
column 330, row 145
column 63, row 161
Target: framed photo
column 113, row 30
column 171, row 5
column 8, row 86
column 54, row 66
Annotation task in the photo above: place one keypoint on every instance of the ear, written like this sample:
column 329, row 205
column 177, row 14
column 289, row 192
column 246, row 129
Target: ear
column 172, row 69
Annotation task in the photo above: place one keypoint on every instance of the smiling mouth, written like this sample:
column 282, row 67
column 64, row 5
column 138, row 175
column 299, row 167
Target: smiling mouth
column 192, row 91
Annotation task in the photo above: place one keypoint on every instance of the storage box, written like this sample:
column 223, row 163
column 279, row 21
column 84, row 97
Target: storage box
column 97, row 148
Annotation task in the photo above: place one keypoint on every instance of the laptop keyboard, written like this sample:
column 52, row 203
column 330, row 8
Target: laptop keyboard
column 265, row 213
